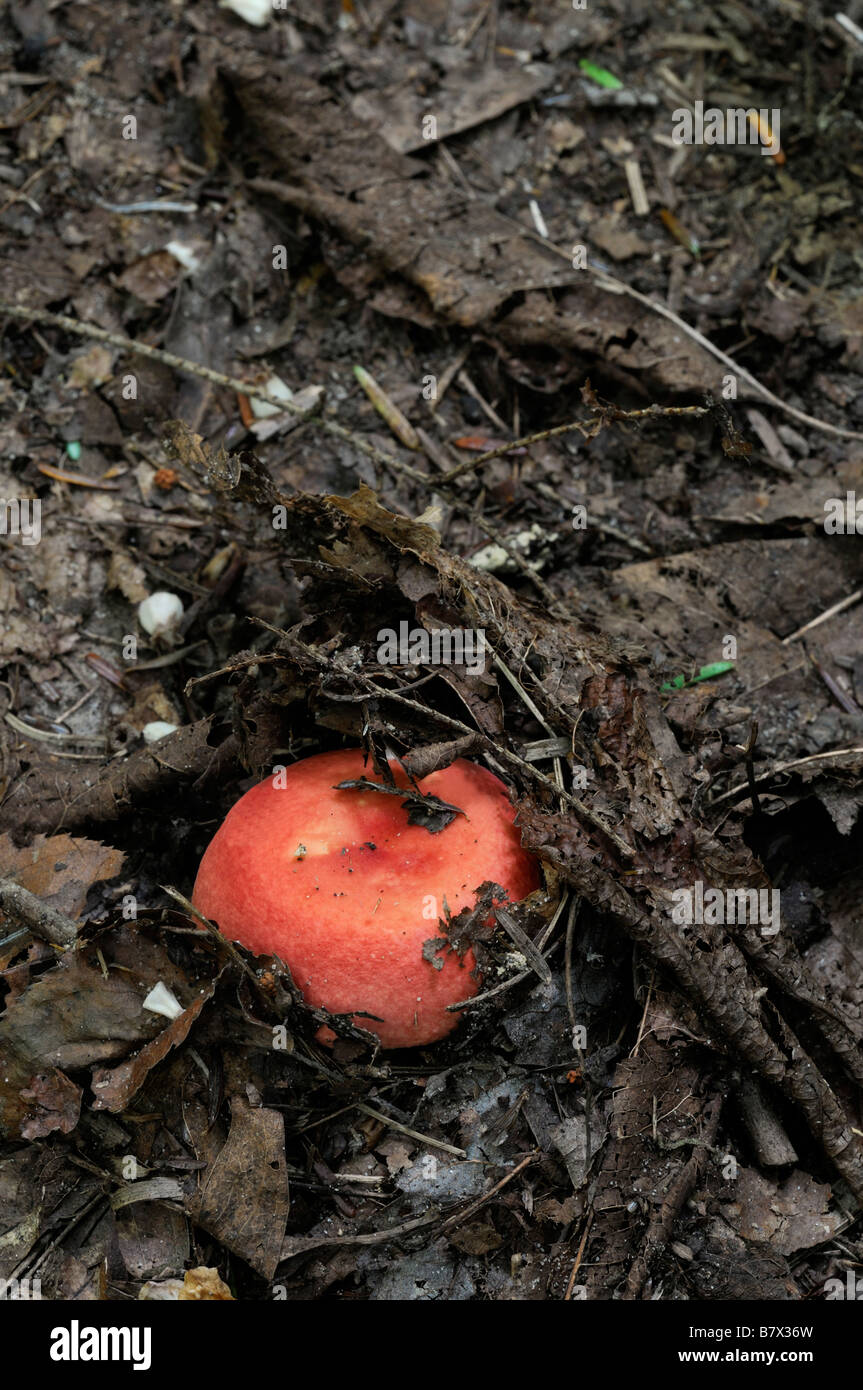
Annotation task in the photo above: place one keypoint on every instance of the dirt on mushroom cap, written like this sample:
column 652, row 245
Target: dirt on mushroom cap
column 346, row 891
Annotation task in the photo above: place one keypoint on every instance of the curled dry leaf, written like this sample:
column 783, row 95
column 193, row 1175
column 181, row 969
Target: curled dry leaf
column 197, row 1285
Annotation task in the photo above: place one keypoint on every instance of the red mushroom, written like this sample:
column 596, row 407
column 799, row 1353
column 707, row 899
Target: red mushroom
column 347, row 892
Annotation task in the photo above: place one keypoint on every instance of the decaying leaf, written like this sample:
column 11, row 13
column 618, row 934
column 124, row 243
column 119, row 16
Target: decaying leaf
column 244, row 1200
column 59, row 869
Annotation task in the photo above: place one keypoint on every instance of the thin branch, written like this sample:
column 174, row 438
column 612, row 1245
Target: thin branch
column 43, row 921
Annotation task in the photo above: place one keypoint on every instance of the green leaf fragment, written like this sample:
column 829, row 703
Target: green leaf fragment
column 716, row 668
column 601, row 76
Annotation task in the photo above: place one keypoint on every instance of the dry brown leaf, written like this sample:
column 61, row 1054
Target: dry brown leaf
column 59, row 869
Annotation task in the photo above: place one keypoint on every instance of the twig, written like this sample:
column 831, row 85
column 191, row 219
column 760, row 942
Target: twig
column 487, row 1196
column 615, row 286
column 577, row 1261
column 574, row 802
column 822, row 617
column 44, row 921
column 301, row 1245
column 523, row 943
column 519, row 561
column 839, row 695
column 26, row 186
column 215, row 933
column 734, row 793
column 534, row 709
column 514, row 979
column 411, row 1133
column 588, row 428
column 182, row 364
column 749, row 755
column 620, row 287
column 662, row 1224
column 572, row 917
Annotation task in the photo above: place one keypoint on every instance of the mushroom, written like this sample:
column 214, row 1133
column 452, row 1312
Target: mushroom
column 160, row 612
column 340, row 885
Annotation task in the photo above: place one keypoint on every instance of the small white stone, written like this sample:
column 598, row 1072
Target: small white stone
column 492, row 558
column 164, row 1291
column 160, row 612
column 160, row 1000
column 157, row 729
column 274, row 386
column 186, row 255
column 252, row 11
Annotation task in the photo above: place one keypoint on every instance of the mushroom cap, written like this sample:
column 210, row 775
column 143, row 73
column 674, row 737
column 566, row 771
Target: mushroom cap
column 341, row 887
